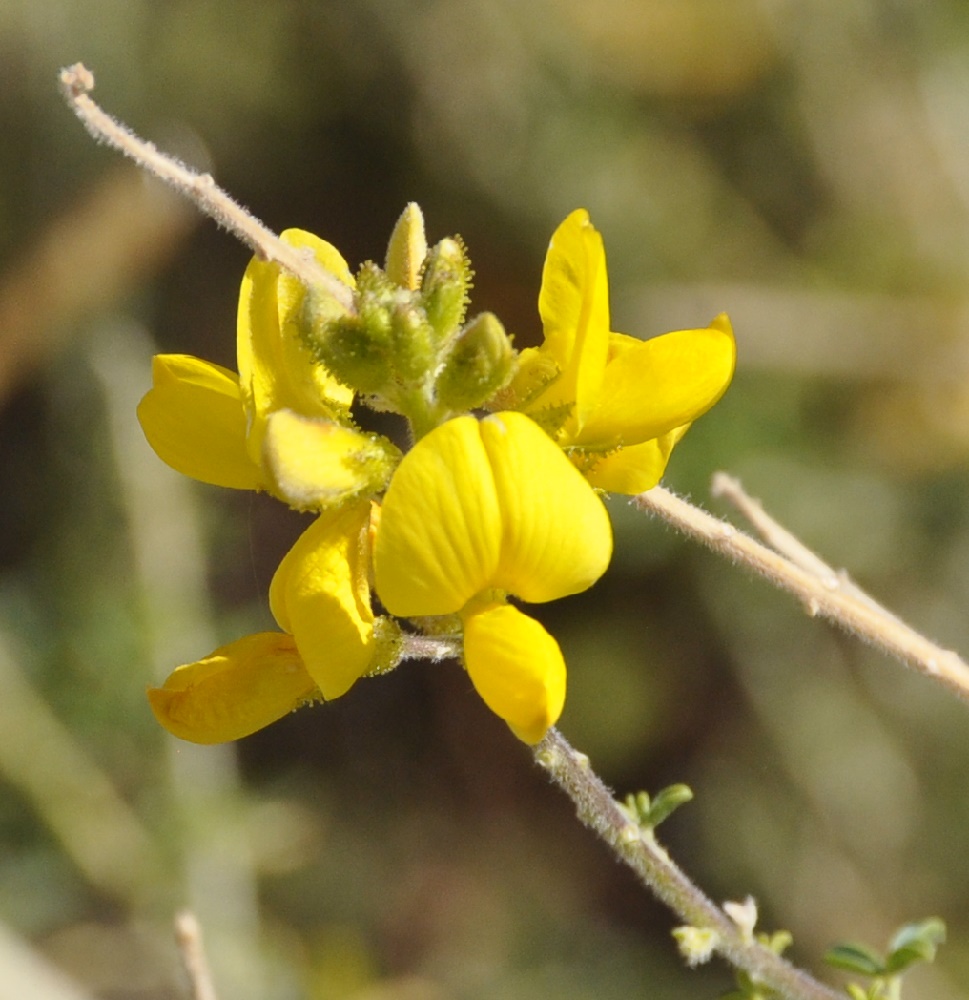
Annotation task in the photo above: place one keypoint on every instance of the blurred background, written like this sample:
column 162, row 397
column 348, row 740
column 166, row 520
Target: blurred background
column 803, row 166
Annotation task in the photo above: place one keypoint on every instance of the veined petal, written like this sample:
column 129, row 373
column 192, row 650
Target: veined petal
column 235, row 691
column 491, row 505
column 556, row 539
column 652, row 386
column 637, row 468
column 276, row 371
column 574, row 306
column 516, row 667
column 194, row 420
column 321, row 595
column 440, row 535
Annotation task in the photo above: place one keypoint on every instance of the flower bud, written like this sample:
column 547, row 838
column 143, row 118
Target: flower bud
column 412, row 351
column 356, row 347
column 445, row 286
column 479, row 363
column 407, row 249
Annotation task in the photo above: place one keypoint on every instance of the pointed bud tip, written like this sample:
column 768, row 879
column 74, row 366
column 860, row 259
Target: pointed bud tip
column 407, row 248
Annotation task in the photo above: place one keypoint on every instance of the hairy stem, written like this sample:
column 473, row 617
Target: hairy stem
column 824, row 594
column 76, row 84
column 638, row 848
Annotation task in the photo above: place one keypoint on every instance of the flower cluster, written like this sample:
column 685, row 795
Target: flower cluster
column 481, row 507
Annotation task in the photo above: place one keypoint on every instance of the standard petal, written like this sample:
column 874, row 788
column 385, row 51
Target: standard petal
column 653, row 386
column 441, row 528
column 194, row 420
column 235, row 691
column 574, row 306
column 635, row 469
column 556, row 537
column 516, row 667
column 320, row 594
column 276, row 371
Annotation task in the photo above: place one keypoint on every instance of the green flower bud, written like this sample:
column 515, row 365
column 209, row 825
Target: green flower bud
column 357, row 347
column 480, row 362
column 445, row 286
column 413, row 352
column 407, row 249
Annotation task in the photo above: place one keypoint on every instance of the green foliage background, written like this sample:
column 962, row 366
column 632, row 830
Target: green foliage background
column 803, row 166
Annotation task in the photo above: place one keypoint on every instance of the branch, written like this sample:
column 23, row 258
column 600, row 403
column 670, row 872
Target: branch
column 76, row 84
column 823, row 592
column 188, row 937
column 596, row 807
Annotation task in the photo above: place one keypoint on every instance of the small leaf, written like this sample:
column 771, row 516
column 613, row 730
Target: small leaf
column 915, row 943
column 667, row 801
column 855, row 958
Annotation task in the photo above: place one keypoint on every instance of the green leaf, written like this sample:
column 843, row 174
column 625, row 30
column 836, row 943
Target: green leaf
column 915, row 943
column 855, row 958
column 667, row 801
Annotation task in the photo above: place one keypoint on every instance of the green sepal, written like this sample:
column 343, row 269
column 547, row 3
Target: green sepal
column 388, row 646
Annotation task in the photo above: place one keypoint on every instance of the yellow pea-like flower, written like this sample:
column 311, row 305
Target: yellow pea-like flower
column 475, row 511
column 320, row 597
column 276, row 370
column 212, row 424
column 616, row 403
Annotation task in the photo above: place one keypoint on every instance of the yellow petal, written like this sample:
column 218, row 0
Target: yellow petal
column 317, row 464
column 194, row 420
column 653, row 386
column 574, row 306
column 440, row 533
column 276, row 371
column 235, row 691
column 320, row 594
column 557, row 539
column 516, row 667
column 637, row 468
column 491, row 505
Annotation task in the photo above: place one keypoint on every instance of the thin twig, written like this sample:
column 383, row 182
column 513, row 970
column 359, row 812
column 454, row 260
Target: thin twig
column 783, row 541
column 76, row 84
column 638, row 848
column 188, row 937
column 821, row 595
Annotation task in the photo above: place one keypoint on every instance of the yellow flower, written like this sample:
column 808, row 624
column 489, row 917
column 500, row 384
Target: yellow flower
column 281, row 423
column 320, row 597
column 479, row 510
column 615, row 403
